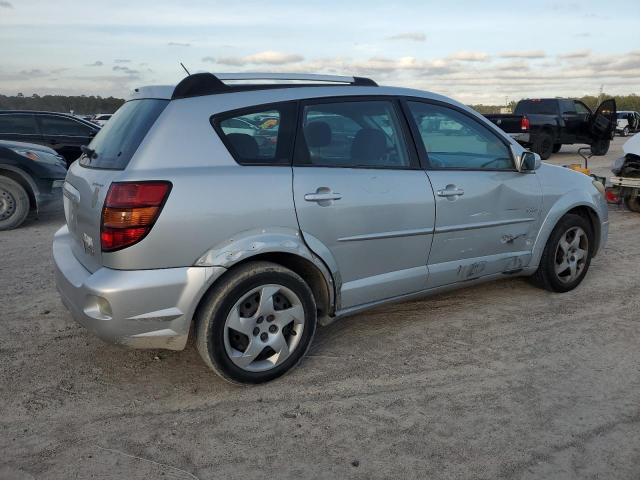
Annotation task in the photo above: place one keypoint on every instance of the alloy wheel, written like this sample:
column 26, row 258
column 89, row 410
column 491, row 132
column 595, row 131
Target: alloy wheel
column 571, row 254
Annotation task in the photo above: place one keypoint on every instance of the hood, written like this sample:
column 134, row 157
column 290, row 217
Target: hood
column 30, row 146
column 632, row 146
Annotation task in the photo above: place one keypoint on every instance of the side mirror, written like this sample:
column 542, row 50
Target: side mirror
column 529, row 162
column 526, row 161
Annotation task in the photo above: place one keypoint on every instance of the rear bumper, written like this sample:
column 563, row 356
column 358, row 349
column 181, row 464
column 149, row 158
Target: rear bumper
column 136, row 308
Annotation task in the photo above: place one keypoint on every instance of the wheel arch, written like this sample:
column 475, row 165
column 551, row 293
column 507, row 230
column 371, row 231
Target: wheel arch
column 583, row 207
column 284, row 247
column 550, row 130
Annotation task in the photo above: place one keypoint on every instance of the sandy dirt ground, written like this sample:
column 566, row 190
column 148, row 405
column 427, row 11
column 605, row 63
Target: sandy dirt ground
column 498, row 381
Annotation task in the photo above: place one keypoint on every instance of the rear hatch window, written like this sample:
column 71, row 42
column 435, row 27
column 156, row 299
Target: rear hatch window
column 118, row 140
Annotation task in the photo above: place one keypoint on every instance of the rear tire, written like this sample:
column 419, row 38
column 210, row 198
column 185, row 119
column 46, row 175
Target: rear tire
column 632, row 203
column 543, row 145
column 256, row 324
column 600, row 147
column 14, row 204
column 557, row 147
column 567, row 255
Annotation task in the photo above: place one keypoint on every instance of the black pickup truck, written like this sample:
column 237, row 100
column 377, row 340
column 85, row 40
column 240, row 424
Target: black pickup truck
column 545, row 124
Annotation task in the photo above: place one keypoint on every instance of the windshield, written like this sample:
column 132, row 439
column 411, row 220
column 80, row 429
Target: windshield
column 118, row 140
column 544, row 107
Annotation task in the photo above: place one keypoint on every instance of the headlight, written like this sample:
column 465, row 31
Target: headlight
column 25, row 152
column 599, row 186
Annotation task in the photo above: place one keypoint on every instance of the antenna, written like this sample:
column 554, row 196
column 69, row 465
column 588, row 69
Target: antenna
column 185, row 68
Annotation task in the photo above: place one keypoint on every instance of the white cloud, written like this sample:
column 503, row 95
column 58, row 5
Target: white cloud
column 97, row 63
column 465, row 56
column 411, row 36
column 524, row 54
column 178, row 44
column 268, row 57
column 577, row 54
column 208, row 59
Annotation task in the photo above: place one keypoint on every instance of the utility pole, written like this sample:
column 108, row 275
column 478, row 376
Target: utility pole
column 600, row 95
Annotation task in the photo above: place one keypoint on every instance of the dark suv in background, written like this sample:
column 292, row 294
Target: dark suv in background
column 64, row 133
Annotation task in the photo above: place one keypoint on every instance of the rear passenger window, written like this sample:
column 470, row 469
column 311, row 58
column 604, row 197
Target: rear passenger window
column 455, row 140
column 352, row 134
column 24, row 124
column 262, row 136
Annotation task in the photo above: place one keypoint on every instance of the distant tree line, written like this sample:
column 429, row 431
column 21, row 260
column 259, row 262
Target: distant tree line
column 81, row 105
column 85, row 105
column 623, row 102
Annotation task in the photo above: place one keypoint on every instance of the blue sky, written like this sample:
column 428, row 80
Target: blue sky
column 474, row 51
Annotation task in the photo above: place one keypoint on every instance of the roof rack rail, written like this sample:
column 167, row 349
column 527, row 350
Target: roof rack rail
column 200, row 84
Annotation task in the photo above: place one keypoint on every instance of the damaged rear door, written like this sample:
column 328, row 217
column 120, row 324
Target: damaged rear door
column 487, row 213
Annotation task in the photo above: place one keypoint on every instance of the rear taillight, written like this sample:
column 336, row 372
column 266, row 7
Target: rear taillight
column 524, row 124
column 612, row 196
column 130, row 210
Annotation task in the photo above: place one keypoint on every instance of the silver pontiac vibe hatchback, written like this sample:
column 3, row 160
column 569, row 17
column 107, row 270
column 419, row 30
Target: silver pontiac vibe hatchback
column 252, row 211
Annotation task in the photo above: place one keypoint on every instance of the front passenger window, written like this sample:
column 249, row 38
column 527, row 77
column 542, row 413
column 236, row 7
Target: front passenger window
column 455, row 140
column 581, row 109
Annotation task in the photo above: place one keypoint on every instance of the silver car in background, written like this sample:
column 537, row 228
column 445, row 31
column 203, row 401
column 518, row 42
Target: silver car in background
column 246, row 213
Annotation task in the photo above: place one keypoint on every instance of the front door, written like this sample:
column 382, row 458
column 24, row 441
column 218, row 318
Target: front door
column 576, row 118
column 602, row 122
column 487, row 213
column 360, row 195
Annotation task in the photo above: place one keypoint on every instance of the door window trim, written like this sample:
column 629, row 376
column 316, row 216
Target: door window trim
column 219, row 117
column 422, row 151
column 394, row 100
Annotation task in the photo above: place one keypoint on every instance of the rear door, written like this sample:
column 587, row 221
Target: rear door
column 88, row 180
column 360, row 193
column 487, row 213
column 19, row 127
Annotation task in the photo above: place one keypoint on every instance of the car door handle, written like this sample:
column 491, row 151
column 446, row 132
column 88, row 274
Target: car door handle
column 322, row 197
column 450, row 192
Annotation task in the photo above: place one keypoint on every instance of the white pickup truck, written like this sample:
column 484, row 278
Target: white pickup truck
column 626, row 183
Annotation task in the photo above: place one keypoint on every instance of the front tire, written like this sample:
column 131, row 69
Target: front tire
column 625, row 131
column 256, row 324
column 14, row 204
column 557, row 147
column 567, row 255
column 543, row 145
